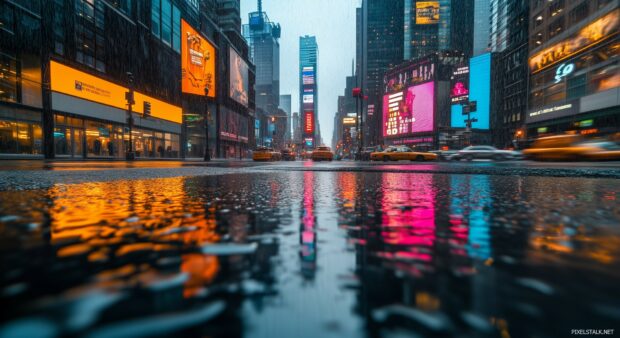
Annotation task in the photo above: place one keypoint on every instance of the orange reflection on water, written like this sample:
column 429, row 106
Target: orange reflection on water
column 348, row 187
column 201, row 270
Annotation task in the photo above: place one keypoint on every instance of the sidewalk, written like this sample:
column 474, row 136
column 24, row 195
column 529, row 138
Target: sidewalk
column 72, row 164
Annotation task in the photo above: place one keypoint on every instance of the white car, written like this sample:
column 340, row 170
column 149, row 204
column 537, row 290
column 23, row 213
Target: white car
column 485, row 152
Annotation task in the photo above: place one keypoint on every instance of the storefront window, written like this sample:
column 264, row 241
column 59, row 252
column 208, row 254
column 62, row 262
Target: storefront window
column 98, row 139
column 20, row 138
column 172, row 145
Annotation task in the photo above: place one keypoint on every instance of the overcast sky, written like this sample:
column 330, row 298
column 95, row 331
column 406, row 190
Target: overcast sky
column 333, row 24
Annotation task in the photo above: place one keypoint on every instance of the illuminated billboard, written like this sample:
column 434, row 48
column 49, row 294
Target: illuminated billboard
column 307, row 75
column 238, row 78
column 409, row 111
column 309, row 122
column 479, row 91
column 69, row 81
column 197, row 62
column 459, row 84
column 426, row 12
column 349, row 121
column 594, row 33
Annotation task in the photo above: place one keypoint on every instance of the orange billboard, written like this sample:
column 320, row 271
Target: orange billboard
column 197, row 62
column 70, row 81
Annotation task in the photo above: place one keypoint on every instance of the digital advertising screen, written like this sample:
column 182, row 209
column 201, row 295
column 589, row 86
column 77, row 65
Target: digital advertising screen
column 238, row 89
column 197, row 62
column 307, row 75
column 459, row 84
column 309, row 122
column 409, row 111
column 426, row 12
column 479, row 91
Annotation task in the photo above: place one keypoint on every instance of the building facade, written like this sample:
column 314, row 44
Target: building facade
column 510, row 32
column 574, row 68
column 432, row 26
column 69, row 65
column 308, row 90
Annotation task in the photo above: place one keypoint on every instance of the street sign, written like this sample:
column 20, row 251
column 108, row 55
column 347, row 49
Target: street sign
column 466, row 110
column 473, row 105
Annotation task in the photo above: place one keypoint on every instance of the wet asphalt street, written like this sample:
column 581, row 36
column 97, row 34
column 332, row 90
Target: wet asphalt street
column 302, row 249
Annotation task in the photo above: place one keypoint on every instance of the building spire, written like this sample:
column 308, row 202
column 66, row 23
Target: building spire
column 260, row 6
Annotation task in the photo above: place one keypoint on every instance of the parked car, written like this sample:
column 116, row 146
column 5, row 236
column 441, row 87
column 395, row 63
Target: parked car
column 485, row 152
column 365, row 155
column 288, row 154
column 397, row 153
column 322, row 154
column 266, row 154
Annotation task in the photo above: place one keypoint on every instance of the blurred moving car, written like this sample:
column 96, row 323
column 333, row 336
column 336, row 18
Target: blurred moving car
column 322, row 154
column 444, row 155
column 559, row 147
column 288, row 155
column 397, row 153
column 266, row 154
column 485, row 152
column 571, row 148
column 605, row 151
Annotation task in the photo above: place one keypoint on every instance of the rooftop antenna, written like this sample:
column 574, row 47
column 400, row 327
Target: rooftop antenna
column 260, row 6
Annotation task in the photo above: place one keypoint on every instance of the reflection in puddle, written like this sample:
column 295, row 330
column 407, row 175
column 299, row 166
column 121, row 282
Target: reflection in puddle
column 238, row 255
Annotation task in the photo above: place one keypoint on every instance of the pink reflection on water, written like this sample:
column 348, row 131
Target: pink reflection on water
column 408, row 203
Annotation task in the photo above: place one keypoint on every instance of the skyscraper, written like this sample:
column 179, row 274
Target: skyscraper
column 228, row 12
column 285, row 105
column 263, row 37
column 308, row 89
column 381, row 30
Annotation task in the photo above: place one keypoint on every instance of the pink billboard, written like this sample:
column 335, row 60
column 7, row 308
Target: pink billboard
column 409, row 111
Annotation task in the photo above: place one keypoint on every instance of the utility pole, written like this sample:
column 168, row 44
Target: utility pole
column 207, row 151
column 130, row 155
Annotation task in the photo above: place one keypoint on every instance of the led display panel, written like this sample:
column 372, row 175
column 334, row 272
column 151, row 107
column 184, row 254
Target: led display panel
column 238, row 89
column 309, row 122
column 409, row 111
column 479, row 91
column 197, row 62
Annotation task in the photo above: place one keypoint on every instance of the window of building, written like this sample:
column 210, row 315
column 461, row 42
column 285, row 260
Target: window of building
column 603, row 3
column 156, row 18
column 89, row 31
column 20, row 137
column 556, row 27
column 556, row 8
column 8, row 78
column 6, row 17
column 122, row 5
column 578, row 13
column 59, row 27
column 176, row 29
column 166, row 23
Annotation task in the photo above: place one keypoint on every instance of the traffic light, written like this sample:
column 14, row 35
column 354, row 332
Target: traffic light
column 147, row 109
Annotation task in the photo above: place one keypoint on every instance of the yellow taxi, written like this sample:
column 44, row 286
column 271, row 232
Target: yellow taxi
column 265, row 154
column 322, row 154
column 397, row 153
column 560, row 147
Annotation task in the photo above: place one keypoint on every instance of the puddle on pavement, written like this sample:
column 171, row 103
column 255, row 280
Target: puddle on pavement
column 312, row 254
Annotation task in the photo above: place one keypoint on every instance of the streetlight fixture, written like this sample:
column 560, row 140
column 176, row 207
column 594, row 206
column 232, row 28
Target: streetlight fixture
column 130, row 155
column 207, row 151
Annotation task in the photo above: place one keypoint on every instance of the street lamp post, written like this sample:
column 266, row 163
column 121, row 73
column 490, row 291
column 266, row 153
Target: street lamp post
column 207, row 151
column 130, row 155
